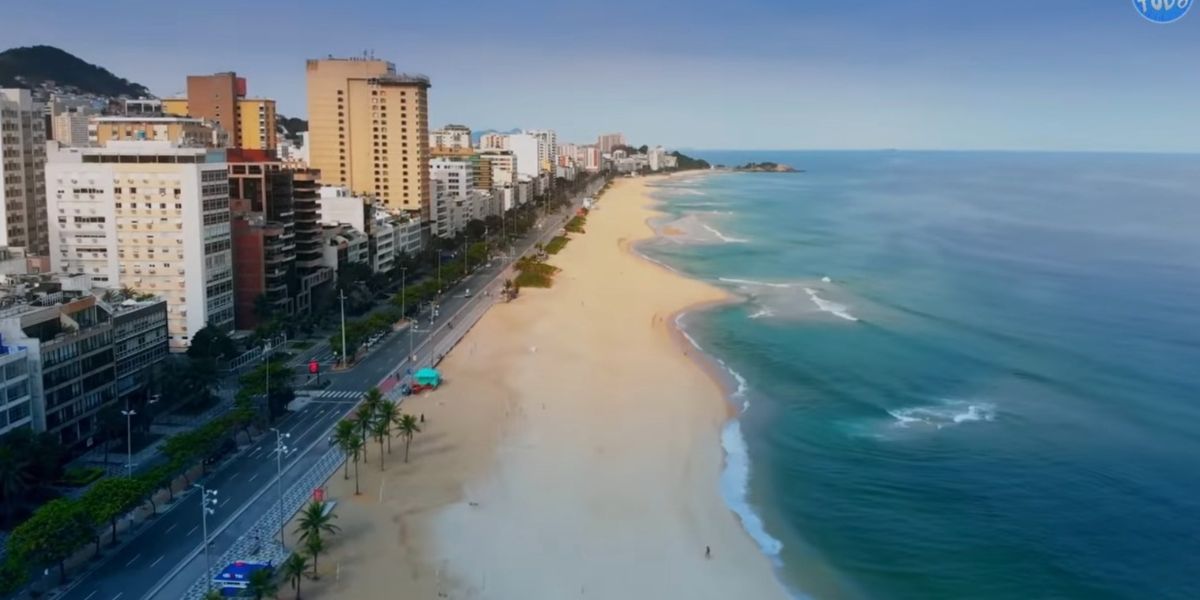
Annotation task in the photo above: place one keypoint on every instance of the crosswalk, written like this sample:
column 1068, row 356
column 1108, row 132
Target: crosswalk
column 338, row 395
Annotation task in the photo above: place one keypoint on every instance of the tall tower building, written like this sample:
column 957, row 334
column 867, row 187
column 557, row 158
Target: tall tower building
column 22, row 173
column 369, row 130
column 151, row 216
column 250, row 122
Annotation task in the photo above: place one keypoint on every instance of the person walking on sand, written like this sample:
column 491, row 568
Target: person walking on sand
column 707, row 552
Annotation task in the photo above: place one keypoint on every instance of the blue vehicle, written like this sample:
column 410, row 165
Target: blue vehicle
column 234, row 580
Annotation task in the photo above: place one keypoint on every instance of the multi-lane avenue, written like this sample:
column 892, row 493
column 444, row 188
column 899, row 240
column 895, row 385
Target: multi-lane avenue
column 165, row 556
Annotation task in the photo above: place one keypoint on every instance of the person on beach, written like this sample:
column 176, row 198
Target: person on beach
column 707, row 552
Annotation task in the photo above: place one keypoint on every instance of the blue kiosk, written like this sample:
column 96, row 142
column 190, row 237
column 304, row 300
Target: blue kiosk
column 234, row 579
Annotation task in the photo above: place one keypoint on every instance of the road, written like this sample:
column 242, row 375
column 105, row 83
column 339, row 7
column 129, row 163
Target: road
column 165, row 556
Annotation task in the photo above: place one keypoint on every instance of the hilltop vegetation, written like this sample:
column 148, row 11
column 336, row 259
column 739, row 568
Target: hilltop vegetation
column 34, row 65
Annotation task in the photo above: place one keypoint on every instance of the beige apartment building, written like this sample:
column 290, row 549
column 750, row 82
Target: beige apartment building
column 369, row 130
column 221, row 98
column 179, row 130
column 22, row 173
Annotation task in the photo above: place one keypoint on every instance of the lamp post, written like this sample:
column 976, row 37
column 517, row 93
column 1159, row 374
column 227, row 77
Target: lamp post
column 342, row 296
column 208, row 500
column 280, row 451
column 128, row 412
column 267, row 369
column 403, row 290
column 439, row 261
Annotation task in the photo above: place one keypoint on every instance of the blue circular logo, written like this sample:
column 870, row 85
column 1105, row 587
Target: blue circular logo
column 1163, row 11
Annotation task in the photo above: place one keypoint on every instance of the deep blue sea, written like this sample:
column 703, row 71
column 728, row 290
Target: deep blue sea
column 965, row 375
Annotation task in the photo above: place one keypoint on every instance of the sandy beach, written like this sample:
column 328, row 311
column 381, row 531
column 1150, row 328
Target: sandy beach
column 573, row 451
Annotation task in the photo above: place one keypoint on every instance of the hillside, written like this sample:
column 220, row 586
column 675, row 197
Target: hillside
column 31, row 66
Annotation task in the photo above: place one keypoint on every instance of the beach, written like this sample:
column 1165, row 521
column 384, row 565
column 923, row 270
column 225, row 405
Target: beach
column 573, row 450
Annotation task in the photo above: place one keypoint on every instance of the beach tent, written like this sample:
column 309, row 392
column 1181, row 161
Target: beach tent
column 428, row 377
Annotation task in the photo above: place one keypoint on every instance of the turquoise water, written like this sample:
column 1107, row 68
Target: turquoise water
column 967, row 375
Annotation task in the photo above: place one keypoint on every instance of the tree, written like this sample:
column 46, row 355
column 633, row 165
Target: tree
column 110, row 423
column 408, row 426
column 314, row 546
column 356, row 449
column 379, row 430
column 262, row 584
column 15, row 478
column 294, row 569
column 315, row 519
column 213, row 595
column 110, row 498
column 52, row 534
column 343, row 436
column 211, row 343
column 387, row 414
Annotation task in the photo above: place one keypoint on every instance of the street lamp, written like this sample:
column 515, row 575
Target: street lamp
column 342, row 296
column 280, row 451
column 128, row 412
column 267, row 368
column 208, row 502
column 403, row 294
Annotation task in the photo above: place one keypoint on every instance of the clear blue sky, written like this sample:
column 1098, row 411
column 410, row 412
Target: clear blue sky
column 939, row 74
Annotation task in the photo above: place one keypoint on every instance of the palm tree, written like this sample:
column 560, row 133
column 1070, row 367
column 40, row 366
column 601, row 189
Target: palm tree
column 314, row 546
column 262, row 584
column 315, row 519
column 408, row 426
column 355, row 449
column 362, row 423
column 344, row 436
column 295, row 569
column 386, row 415
column 380, row 429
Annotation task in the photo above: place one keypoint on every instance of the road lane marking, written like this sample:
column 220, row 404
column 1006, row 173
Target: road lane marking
column 133, row 560
column 155, row 561
column 118, row 596
column 253, row 477
column 225, row 501
column 192, row 530
column 167, row 531
column 89, row 596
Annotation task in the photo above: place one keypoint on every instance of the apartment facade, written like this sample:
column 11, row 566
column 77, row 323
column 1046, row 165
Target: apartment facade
column 151, row 216
column 547, row 149
column 70, row 128
column 185, row 131
column 525, row 149
column 221, row 98
column 450, row 137
column 262, row 222
column 369, row 128
column 493, row 141
column 16, row 389
column 609, row 141
column 22, row 173
column 140, row 341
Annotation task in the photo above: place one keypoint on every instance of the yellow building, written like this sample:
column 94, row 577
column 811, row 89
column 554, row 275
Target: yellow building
column 183, row 131
column 175, row 106
column 369, row 130
column 256, row 120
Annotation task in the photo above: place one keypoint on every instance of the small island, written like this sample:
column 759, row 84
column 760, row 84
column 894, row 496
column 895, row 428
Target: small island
column 766, row 167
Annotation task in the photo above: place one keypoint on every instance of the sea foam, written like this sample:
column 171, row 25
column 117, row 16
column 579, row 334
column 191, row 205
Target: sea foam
column 721, row 236
column 945, row 414
column 839, row 310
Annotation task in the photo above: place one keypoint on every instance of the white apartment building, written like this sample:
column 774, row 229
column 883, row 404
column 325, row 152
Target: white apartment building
column 409, row 237
column 456, row 175
column 525, row 148
column 70, row 128
column 338, row 205
column 547, row 149
column 493, row 141
column 22, row 173
column 383, row 243
column 503, row 164
column 16, row 389
column 591, row 158
column 570, row 151
column 655, row 157
column 450, row 137
column 151, row 216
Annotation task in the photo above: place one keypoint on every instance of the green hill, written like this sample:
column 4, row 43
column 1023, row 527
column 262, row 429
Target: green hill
column 30, row 66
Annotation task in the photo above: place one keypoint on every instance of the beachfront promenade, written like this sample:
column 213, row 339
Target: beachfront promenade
column 164, row 557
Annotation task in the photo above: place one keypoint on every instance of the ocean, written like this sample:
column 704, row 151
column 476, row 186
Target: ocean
column 961, row 375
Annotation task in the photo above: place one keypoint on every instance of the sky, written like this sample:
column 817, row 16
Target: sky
column 739, row 74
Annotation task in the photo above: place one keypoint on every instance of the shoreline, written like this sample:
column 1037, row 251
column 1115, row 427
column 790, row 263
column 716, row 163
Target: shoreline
column 577, row 437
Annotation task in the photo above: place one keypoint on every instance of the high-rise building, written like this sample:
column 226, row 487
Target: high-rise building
column 591, row 158
column 502, row 165
column 493, row 141
column 547, row 149
column 609, row 141
column 22, row 173
column 450, row 137
column 70, row 128
column 151, row 216
column 264, row 237
column 16, row 390
column 221, row 98
column 369, row 129
column 525, row 149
